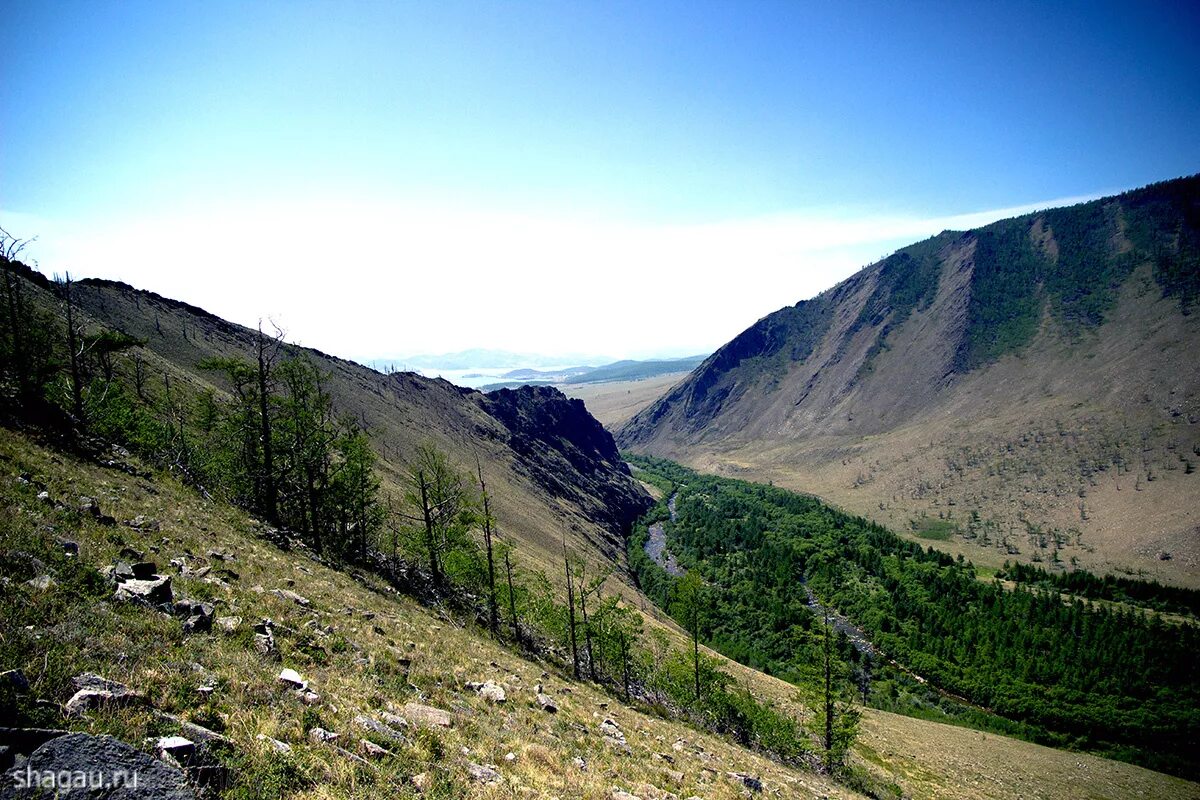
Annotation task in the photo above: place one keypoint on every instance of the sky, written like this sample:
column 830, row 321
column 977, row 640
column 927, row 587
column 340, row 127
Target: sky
column 626, row 179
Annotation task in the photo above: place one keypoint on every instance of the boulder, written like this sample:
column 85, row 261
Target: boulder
column 94, row 691
column 483, row 773
column 380, row 729
column 86, row 767
column 292, row 679
column 288, row 594
column 228, row 624
column 155, row 591
column 546, row 703
column 612, row 734
column 749, row 781
column 492, row 692
column 322, row 736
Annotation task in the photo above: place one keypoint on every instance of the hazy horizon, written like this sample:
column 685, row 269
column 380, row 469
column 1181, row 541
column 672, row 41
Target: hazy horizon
column 620, row 179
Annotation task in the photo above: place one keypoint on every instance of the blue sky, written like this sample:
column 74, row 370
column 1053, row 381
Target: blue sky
column 481, row 173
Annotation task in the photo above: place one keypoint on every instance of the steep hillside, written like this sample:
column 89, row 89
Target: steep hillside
column 370, row 656
column 1026, row 391
column 551, row 468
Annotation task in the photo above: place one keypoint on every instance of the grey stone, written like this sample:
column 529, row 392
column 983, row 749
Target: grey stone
column 546, row 703
column 749, row 781
column 80, row 756
column 380, row 729
column 153, row 592
column 322, row 736
column 292, row 678
column 481, row 773
column 288, row 594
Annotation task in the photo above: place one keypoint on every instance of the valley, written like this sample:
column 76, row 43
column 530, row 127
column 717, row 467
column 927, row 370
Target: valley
column 1061, row 429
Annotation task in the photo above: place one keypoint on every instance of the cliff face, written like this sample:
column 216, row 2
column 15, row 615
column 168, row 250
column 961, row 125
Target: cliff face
column 567, row 452
column 1018, row 371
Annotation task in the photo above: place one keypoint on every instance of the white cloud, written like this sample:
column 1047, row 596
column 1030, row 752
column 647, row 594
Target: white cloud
column 362, row 279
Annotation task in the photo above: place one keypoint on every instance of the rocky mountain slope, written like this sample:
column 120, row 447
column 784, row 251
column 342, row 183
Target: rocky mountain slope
column 309, row 682
column 1027, row 390
column 551, row 469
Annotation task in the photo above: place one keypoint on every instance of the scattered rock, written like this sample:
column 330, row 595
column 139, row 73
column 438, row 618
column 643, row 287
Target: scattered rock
column 95, row 691
column 510, row 757
column 264, row 638
column 144, row 570
column 380, row 729
column 83, row 754
column 492, row 692
column 177, row 747
column 422, row 781
column 292, row 678
column 143, row 523
column 198, row 617
column 394, row 720
column 310, row 698
column 426, row 716
column 154, row 592
column 612, row 733
column 228, row 624
column 372, row 750
column 321, row 736
column 288, row 594
column 44, row 497
column 749, row 781
column 69, row 547
column 621, row 794
column 481, row 773
column 547, row 704
column 579, row 763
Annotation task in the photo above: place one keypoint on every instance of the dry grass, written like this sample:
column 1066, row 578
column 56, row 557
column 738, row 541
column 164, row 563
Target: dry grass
column 615, row 403
column 360, row 671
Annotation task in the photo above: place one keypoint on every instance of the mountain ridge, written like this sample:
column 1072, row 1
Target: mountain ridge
column 868, row 392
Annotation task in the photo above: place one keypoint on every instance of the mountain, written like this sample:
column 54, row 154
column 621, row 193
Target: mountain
column 1027, row 390
column 300, row 645
column 628, row 370
column 637, row 370
column 542, row 487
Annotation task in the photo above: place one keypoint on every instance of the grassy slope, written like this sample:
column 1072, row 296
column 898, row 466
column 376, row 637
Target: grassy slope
column 614, row 403
column 400, row 411
column 360, row 673
column 71, row 633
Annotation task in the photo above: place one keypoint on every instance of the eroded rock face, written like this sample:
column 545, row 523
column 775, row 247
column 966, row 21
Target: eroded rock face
column 569, row 453
column 85, row 767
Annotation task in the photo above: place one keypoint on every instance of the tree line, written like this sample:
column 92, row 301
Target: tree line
column 1115, row 681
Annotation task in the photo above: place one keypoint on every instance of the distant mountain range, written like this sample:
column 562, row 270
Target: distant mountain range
column 626, row 370
column 1028, row 390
